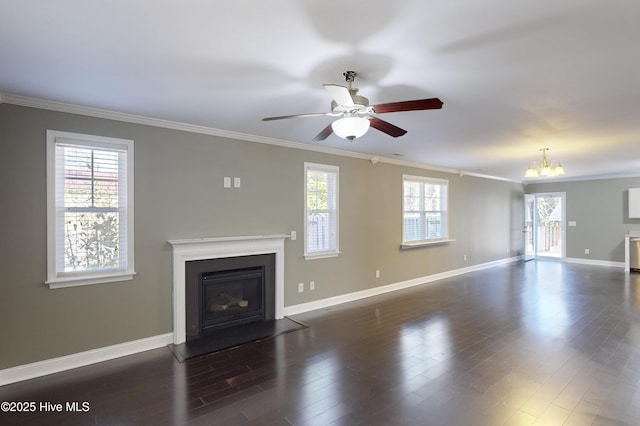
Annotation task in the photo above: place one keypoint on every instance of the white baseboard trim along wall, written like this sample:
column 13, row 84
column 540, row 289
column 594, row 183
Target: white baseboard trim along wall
column 81, row 359
column 352, row 297
column 594, row 262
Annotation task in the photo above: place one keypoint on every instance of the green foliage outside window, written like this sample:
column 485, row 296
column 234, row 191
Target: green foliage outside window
column 92, row 226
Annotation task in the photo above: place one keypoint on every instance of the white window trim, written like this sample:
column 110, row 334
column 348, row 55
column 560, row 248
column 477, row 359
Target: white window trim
column 431, row 241
column 425, row 243
column 327, row 253
column 56, row 279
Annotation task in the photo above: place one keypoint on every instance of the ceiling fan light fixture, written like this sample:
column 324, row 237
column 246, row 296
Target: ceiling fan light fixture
column 354, row 115
column 350, row 127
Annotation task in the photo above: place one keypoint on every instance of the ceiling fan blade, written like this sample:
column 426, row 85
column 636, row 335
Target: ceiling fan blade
column 418, row 104
column 386, row 127
column 282, row 117
column 323, row 134
column 340, row 94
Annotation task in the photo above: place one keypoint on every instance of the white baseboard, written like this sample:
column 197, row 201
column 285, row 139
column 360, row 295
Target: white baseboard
column 351, row 297
column 56, row 365
column 594, row 262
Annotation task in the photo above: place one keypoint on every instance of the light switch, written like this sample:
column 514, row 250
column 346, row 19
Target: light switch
column 227, row 182
column 236, row 182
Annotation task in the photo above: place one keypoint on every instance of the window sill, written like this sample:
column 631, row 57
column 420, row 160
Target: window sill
column 89, row 280
column 322, row 255
column 418, row 244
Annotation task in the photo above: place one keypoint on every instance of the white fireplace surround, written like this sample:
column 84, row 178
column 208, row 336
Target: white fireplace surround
column 215, row 248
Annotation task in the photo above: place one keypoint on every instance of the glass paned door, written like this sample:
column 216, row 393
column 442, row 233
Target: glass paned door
column 544, row 231
column 549, row 226
column 529, row 226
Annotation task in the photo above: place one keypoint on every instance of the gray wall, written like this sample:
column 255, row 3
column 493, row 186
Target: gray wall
column 179, row 194
column 600, row 210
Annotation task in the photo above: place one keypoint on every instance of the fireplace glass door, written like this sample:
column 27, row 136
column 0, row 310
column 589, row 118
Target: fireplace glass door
column 231, row 298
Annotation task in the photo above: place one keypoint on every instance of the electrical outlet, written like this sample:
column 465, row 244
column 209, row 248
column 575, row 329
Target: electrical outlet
column 464, row 257
column 236, row 182
column 312, row 285
column 377, row 273
column 227, row 182
column 294, row 235
column 300, row 287
column 586, row 251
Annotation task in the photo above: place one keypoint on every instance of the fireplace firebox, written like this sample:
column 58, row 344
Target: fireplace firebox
column 226, row 292
column 231, row 298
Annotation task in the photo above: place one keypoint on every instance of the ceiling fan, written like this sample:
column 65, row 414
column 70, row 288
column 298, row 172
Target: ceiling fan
column 356, row 115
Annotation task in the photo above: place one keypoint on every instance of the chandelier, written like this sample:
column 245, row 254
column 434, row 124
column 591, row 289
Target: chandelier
column 546, row 169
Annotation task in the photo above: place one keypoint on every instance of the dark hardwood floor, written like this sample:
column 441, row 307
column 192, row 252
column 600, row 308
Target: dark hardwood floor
column 536, row 343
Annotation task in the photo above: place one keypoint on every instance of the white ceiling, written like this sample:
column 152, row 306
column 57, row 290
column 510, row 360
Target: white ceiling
column 514, row 76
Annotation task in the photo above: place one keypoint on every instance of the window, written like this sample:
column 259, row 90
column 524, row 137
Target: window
column 424, row 215
column 89, row 209
column 320, row 210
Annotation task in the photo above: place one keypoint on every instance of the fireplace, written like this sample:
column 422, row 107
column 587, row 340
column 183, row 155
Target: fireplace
column 208, row 249
column 227, row 292
column 230, row 298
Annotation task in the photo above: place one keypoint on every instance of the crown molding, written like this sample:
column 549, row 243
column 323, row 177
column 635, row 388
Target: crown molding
column 458, row 172
column 57, row 106
column 608, row 176
column 166, row 124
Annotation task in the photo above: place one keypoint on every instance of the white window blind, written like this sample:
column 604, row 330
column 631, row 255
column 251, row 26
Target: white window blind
column 321, row 210
column 90, row 208
column 424, row 209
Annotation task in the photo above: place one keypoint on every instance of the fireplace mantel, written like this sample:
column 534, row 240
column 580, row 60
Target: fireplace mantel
column 214, row 248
